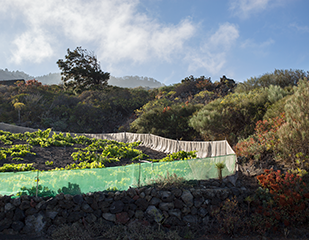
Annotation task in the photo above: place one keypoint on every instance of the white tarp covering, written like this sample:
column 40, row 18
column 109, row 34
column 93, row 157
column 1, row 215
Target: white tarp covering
column 204, row 149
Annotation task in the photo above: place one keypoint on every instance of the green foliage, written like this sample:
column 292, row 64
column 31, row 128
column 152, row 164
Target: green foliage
column 42, row 191
column 112, row 189
column 81, row 70
column 82, row 165
column 281, row 78
column 72, row 189
column 2, row 154
column 8, row 137
column 42, row 138
column 276, row 108
column 170, row 121
column 276, row 93
column 293, row 135
column 232, row 117
column 16, row 151
column 105, row 151
column 204, row 97
column 16, row 167
column 181, row 155
column 96, row 154
column 220, row 165
column 154, row 104
column 49, row 163
column 283, row 137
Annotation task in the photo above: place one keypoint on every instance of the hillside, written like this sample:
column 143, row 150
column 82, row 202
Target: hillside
column 55, row 78
column 251, row 115
column 265, row 119
column 11, row 75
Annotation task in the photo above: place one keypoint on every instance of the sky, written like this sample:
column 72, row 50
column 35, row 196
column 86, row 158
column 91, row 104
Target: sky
column 167, row 40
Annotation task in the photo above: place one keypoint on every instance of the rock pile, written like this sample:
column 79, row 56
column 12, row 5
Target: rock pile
column 170, row 207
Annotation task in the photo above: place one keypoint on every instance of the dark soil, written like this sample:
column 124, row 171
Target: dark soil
column 61, row 156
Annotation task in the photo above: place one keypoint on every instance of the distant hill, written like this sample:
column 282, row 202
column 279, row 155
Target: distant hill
column 8, row 75
column 55, row 78
column 49, row 79
column 134, row 81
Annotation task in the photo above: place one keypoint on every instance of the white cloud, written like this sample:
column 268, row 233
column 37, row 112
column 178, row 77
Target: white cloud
column 259, row 49
column 118, row 30
column 249, row 43
column 212, row 54
column 245, row 8
column 300, row 28
column 31, row 46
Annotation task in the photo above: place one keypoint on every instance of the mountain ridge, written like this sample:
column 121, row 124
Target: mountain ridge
column 55, row 78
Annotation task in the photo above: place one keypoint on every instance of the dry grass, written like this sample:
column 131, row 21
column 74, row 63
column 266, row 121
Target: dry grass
column 134, row 231
column 168, row 181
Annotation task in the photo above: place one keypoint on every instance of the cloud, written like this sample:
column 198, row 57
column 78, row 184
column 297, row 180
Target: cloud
column 212, row 54
column 245, row 8
column 259, row 49
column 31, row 46
column 304, row 29
column 118, row 30
column 249, row 43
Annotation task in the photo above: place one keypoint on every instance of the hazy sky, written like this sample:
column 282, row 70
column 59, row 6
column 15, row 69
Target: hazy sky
column 164, row 39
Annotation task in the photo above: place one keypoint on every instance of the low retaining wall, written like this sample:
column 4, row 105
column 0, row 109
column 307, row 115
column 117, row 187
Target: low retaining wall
column 172, row 207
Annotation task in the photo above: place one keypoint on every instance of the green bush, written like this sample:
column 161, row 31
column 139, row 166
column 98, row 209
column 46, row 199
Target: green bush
column 276, row 108
column 232, row 117
column 293, row 135
column 169, row 122
column 282, row 78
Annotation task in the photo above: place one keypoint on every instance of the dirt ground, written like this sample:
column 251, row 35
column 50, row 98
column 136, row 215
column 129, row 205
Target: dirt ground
column 61, row 156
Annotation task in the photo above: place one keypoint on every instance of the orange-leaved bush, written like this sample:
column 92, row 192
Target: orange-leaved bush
column 264, row 141
column 282, row 198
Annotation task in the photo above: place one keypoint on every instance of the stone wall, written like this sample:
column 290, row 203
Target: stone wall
column 171, row 207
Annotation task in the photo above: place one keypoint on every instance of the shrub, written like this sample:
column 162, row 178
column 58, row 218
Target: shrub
column 276, row 93
column 168, row 181
column 229, row 217
column 276, row 108
column 281, row 199
column 169, row 121
column 231, row 116
column 264, row 141
column 282, row 78
column 293, row 135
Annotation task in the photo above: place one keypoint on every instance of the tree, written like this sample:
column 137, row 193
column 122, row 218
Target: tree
column 81, row 71
column 293, row 135
column 19, row 106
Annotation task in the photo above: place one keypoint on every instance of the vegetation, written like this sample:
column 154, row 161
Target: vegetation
column 264, row 118
column 231, row 117
column 94, row 154
column 43, row 191
column 282, row 138
column 81, row 70
column 281, row 78
column 168, row 181
column 195, row 109
column 93, row 111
